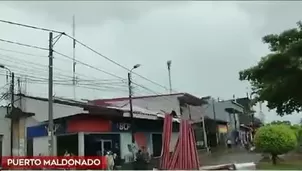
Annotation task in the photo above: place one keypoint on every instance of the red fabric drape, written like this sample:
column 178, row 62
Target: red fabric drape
column 166, row 139
column 185, row 156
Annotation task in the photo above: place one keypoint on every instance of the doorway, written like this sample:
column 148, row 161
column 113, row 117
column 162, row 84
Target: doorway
column 105, row 145
column 67, row 143
column 99, row 144
column 30, row 147
column 157, row 144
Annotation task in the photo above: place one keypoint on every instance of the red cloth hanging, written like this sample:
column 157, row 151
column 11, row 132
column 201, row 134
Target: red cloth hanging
column 166, row 140
column 185, row 156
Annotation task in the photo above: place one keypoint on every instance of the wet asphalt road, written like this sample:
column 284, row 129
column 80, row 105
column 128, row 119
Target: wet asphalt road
column 218, row 158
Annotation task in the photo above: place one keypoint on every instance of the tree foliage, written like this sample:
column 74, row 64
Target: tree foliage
column 298, row 131
column 277, row 78
column 281, row 122
column 275, row 140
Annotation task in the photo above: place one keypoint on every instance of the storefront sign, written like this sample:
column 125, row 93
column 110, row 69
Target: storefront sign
column 121, row 126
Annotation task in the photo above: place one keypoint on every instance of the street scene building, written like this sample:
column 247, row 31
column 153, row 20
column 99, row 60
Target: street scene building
column 85, row 128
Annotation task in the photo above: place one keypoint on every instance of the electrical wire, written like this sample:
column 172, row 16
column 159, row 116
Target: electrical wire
column 23, row 53
column 32, row 27
column 22, row 44
column 88, row 47
column 84, row 45
column 22, row 62
column 83, row 63
column 100, row 88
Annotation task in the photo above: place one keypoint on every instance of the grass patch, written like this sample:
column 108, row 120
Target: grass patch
column 284, row 165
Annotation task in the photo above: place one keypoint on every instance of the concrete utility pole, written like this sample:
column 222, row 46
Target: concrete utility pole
column 50, row 97
column 12, row 89
column 73, row 57
column 169, row 72
column 215, row 120
column 130, row 102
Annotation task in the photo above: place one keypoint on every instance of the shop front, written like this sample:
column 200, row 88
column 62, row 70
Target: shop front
column 87, row 135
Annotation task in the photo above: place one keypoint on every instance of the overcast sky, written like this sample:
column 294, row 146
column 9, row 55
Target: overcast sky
column 208, row 43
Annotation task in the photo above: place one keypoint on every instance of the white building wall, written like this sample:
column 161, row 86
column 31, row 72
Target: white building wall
column 125, row 139
column 40, row 145
column 5, row 132
column 40, row 109
column 81, row 146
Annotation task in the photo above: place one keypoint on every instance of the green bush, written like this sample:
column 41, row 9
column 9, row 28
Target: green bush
column 298, row 131
column 275, row 140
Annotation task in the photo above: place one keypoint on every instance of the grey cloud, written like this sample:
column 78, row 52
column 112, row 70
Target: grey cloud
column 208, row 42
column 92, row 12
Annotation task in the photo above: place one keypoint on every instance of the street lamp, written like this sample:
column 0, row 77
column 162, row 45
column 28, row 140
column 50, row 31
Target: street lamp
column 130, row 101
column 4, row 67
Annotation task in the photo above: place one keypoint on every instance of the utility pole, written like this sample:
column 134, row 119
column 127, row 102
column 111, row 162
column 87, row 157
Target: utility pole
column 215, row 120
column 50, row 97
column 19, row 85
column 130, row 102
column 12, row 89
column 73, row 57
column 169, row 72
column 131, row 108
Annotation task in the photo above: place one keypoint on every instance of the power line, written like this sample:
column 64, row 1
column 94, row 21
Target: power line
column 23, row 53
column 83, row 63
column 38, row 67
column 86, row 46
column 91, row 49
column 22, row 44
column 118, row 64
column 30, row 26
column 100, row 88
column 9, row 58
column 90, row 66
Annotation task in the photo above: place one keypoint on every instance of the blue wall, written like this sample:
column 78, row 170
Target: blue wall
column 41, row 130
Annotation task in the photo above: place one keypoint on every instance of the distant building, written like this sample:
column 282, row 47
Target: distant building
column 224, row 114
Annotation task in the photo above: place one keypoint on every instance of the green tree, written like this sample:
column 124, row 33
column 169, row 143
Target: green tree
column 277, row 78
column 275, row 140
column 281, row 122
column 298, row 131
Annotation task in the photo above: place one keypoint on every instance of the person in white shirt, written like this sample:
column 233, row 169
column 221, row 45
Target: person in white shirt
column 110, row 160
column 229, row 143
